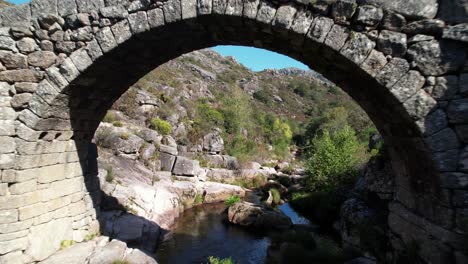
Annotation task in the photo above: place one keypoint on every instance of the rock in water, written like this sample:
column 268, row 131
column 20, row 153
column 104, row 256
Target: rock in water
column 254, row 215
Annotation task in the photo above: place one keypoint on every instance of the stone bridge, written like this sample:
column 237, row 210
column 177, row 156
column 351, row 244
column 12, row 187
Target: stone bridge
column 64, row 63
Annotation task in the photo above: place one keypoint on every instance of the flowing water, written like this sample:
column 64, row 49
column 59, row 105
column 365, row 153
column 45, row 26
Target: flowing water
column 204, row 231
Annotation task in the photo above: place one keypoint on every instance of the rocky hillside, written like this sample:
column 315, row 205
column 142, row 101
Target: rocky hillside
column 258, row 115
column 4, row 3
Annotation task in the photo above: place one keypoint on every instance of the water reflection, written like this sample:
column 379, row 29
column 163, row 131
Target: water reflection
column 204, row 231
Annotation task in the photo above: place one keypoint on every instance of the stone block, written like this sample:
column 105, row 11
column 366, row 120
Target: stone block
column 445, row 88
column 357, row 48
column 266, row 13
column 8, row 216
column 23, row 187
column 13, row 245
column 106, row 39
column 320, row 28
column 408, row 86
column 392, row 43
column 302, row 22
column 457, row 111
column 172, row 11
column 437, row 57
column 337, row 37
column 7, row 145
column 45, row 238
column 138, row 22
column 251, row 8
column 369, row 15
column 186, row 167
column 392, row 72
column 419, row 105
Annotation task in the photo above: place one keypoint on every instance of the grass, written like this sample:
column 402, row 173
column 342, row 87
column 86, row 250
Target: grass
column 110, row 174
column 66, row 244
column 215, row 260
column 232, row 200
column 253, row 183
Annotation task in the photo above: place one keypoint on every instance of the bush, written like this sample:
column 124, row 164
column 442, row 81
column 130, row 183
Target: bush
column 117, row 124
column 198, row 199
column 232, row 200
column 335, row 160
column 109, row 117
column 262, row 96
column 124, row 136
column 276, row 195
column 214, row 260
column 110, row 174
column 161, row 126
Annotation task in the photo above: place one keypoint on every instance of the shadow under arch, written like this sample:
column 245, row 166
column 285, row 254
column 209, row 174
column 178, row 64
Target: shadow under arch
column 93, row 92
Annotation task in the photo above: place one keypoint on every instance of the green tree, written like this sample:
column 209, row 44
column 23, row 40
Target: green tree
column 335, row 159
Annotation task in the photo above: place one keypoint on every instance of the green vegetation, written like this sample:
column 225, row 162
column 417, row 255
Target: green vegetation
column 215, row 260
column 124, row 136
column 276, row 195
column 117, row 124
column 163, row 127
column 251, row 183
column 109, row 117
column 198, row 199
column 335, row 160
column 110, row 174
column 66, row 244
column 90, row 237
column 232, row 200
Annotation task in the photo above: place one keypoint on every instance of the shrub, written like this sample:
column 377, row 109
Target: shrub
column 232, row 200
column 334, row 161
column 262, row 96
column 109, row 117
column 276, row 195
column 124, row 136
column 161, row 126
column 117, row 124
column 215, row 260
column 110, row 174
column 198, row 199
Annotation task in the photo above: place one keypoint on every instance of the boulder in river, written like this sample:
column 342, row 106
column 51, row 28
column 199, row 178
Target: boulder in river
column 254, row 215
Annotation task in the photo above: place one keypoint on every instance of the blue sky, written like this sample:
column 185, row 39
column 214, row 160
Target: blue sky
column 259, row 59
column 18, row 1
column 253, row 58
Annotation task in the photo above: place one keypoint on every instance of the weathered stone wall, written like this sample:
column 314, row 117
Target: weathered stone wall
column 64, row 62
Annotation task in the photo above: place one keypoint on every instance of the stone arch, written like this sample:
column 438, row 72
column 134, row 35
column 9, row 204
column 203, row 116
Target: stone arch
column 65, row 62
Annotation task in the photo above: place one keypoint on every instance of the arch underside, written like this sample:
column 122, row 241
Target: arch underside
column 75, row 94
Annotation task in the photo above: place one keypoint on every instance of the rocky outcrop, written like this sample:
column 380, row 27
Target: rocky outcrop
column 257, row 216
column 100, row 251
column 213, row 142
